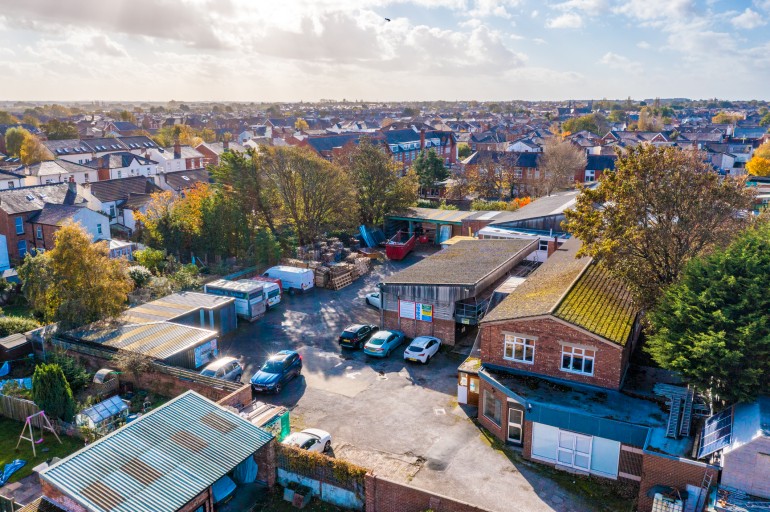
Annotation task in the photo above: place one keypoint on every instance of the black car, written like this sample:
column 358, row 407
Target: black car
column 354, row 336
column 277, row 371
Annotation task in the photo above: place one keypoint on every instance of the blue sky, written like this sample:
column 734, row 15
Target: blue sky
column 286, row 50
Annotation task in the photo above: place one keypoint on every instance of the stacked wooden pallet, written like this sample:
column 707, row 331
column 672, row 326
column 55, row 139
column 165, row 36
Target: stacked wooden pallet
column 340, row 281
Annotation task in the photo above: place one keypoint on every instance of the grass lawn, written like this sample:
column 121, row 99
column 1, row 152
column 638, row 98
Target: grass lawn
column 18, row 307
column 9, row 435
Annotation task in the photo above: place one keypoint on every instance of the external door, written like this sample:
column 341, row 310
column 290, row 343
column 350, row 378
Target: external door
column 574, row 450
column 515, row 426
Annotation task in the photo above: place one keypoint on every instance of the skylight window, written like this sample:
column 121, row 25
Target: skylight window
column 185, row 178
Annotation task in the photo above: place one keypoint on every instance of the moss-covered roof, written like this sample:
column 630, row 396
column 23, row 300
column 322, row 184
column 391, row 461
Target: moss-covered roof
column 601, row 304
column 544, row 288
column 575, row 290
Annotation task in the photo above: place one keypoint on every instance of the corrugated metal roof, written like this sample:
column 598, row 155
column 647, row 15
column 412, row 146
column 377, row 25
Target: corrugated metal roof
column 431, row 215
column 466, row 262
column 159, row 340
column 173, row 306
column 160, row 461
column 243, row 285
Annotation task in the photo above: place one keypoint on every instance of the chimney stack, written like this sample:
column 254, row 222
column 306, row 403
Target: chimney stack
column 226, row 144
column 422, row 139
column 177, row 149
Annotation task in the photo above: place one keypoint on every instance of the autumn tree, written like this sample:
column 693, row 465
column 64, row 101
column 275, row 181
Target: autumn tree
column 560, row 161
column 315, row 195
column 759, row 165
column 595, row 123
column 726, row 118
column 33, row 151
column 493, row 175
column 659, row 208
column 712, row 326
column 14, row 138
column 377, row 186
column 60, row 130
column 429, row 168
column 7, row 118
column 765, row 121
column 76, row 282
column 301, row 125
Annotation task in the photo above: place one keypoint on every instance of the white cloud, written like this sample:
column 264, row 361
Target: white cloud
column 566, row 20
column 655, row 9
column 762, row 4
column 496, row 8
column 539, row 40
column 615, row 61
column 592, row 7
column 748, row 19
column 534, row 13
column 644, row 45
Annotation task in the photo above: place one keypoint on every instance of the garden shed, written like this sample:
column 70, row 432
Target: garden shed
column 15, row 346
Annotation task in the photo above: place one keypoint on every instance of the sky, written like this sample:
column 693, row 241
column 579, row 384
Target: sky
column 291, row 50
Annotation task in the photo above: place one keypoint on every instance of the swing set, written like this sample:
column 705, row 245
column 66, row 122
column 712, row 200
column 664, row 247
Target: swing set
column 43, row 424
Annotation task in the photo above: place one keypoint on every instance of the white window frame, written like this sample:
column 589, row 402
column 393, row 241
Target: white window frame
column 573, row 352
column 542, row 244
column 590, row 176
column 519, row 342
column 568, row 448
column 515, row 423
column 498, row 406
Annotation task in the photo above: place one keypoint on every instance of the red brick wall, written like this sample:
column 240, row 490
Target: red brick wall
column 443, row 329
column 266, row 463
column 54, row 494
column 496, row 430
column 8, row 228
column 204, row 498
column 238, row 398
column 657, row 470
column 384, row 495
column 48, row 236
column 608, row 363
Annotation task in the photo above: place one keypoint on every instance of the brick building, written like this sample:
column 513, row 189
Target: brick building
column 551, row 376
column 184, row 456
column 450, row 289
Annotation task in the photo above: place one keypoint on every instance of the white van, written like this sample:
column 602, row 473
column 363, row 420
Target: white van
column 294, row 278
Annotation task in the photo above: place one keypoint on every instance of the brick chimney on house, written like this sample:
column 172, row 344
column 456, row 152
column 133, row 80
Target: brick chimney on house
column 553, row 245
column 226, row 144
column 103, row 168
column 452, row 149
column 177, row 149
column 422, row 139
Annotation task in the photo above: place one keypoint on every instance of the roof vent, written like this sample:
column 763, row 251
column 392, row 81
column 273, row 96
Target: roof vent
column 185, row 178
column 30, row 197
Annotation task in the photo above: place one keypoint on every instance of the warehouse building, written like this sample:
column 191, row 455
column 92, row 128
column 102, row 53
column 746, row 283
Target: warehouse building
column 451, row 289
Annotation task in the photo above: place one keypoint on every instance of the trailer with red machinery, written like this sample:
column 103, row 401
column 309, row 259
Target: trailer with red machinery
column 400, row 245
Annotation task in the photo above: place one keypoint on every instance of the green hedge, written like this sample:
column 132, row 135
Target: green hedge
column 15, row 325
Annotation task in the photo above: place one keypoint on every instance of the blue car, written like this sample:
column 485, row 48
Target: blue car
column 382, row 343
column 277, row 371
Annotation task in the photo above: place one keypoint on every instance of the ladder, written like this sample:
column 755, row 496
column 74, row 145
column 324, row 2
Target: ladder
column 703, row 492
column 684, row 429
column 673, row 417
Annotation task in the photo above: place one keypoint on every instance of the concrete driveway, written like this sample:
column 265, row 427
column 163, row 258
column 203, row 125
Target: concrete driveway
column 399, row 419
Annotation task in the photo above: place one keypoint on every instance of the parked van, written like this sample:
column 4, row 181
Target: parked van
column 292, row 278
column 273, row 289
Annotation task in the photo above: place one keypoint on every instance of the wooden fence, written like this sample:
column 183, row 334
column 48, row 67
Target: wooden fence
column 17, row 408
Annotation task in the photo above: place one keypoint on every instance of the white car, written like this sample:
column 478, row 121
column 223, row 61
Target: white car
column 310, row 439
column 422, row 349
column 373, row 299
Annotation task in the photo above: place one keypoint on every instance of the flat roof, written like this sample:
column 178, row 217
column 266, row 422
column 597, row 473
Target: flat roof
column 242, row 285
column 431, row 215
column 173, row 306
column 161, row 460
column 465, row 263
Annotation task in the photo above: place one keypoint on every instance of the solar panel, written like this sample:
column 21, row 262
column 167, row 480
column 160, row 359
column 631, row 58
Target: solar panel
column 717, row 433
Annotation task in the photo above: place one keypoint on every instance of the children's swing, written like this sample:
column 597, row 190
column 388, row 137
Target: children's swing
column 43, row 424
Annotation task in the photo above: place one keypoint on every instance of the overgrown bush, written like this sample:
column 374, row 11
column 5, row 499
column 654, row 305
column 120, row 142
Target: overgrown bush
column 16, row 324
column 52, row 393
column 12, row 388
column 132, row 362
column 152, row 259
column 501, row 206
column 444, row 206
column 185, row 278
column 76, row 374
column 140, row 274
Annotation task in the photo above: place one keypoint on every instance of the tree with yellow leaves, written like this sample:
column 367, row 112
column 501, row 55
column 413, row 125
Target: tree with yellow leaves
column 33, row 151
column 759, row 165
column 76, row 282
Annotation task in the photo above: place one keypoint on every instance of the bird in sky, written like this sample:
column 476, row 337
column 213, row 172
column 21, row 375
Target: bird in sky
column 387, row 19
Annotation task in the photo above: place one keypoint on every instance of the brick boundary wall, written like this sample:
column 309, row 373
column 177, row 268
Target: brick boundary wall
column 676, row 473
column 383, row 495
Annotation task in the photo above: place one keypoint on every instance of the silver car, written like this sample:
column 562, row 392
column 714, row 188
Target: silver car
column 226, row 368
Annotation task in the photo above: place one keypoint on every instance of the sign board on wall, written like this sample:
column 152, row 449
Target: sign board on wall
column 415, row 310
column 205, row 353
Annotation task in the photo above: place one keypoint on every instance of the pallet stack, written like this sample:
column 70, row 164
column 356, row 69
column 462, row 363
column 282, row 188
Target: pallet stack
column 334, row 265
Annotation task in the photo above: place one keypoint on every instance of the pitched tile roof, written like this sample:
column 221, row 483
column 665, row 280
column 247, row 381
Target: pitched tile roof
column 42, row 504
column 118, row 160
column 574, row 290
column 30, row 199
column 179, row 180
column 600, row 304
column 160, row 461
column 122, row 188
column 55, row 214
